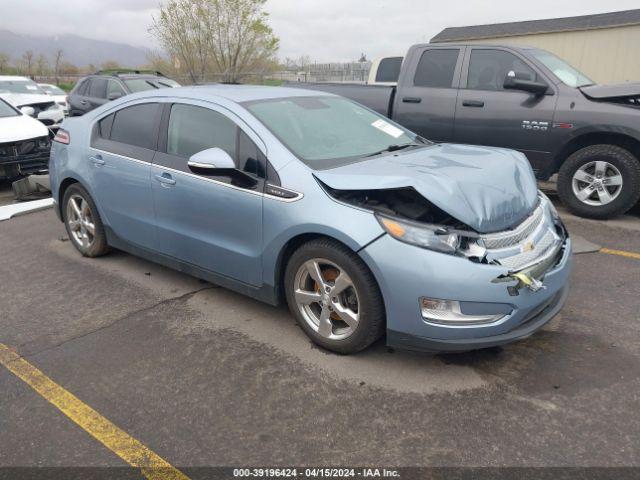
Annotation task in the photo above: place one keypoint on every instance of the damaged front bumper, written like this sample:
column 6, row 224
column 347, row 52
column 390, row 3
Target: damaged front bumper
column 22, row 158
column 529, row 292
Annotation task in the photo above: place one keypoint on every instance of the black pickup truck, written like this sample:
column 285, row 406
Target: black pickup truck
column 525, row 99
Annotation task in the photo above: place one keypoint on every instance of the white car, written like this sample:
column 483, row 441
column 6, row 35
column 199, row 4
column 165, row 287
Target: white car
column 29, row 98
column 24, row 143
column 59, row 95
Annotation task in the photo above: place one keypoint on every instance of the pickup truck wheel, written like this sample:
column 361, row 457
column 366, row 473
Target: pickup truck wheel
column 334, row 297
column 600, row 181
column 83, row 223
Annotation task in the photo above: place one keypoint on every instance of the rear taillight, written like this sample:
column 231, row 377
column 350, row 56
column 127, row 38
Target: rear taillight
column 62, row 137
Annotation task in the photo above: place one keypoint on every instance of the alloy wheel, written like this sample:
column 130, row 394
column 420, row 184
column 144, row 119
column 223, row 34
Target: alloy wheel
column 327, row 299
column 597, row 183
column 80, row 221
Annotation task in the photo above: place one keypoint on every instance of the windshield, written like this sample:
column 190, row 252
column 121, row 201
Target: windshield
column 6, row 110
column 52, row 90
column 20, row 86
column 142, row 84
column 328, row 131
column 561, row 69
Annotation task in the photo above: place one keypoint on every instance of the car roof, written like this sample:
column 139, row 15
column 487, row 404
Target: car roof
column 235, row 93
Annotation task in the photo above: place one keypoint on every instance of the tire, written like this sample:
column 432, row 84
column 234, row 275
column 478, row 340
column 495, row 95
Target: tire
column 578, row 176
column 331, row 256
column 77, row 222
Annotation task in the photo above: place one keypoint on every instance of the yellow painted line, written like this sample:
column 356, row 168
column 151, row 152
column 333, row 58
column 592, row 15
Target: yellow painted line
column 115, row 439
column 620, row 253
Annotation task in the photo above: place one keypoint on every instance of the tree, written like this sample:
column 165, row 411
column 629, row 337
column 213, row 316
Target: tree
column 67, row 68
column 4, row 62
column 110, row 65
column 27, row 59
column 229, row 37
column 57, row 62
column 42, row 65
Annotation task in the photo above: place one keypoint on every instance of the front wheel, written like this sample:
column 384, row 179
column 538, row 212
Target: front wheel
column 599, row 181
column 334, row 297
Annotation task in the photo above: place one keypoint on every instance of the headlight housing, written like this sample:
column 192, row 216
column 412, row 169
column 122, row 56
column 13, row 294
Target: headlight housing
column 433, row 237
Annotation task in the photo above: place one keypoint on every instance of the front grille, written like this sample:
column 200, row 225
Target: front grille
column 32, row 149
column 524, row 258
column 495, row 241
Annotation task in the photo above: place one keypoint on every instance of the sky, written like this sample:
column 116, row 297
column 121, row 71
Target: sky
column 325, row 30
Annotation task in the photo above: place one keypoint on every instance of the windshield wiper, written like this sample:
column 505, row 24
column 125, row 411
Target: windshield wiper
column 394, row 148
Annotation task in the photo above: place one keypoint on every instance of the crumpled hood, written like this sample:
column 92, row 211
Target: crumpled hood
column 488, row 189
column 21, row 127
column 600, row 92
column 24, row 99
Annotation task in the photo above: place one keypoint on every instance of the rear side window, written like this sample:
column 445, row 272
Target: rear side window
column 98, row 88
column 135, row 126
column 436, row 68
column 104, row 126
column 389, row 69
column 489, row 68
column 81, row 89
column 193, row 129
column 114, row 87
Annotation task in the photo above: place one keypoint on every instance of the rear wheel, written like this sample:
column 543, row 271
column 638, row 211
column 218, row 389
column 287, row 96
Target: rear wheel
column 83, row 223
column 334, row 297
column 599, row 181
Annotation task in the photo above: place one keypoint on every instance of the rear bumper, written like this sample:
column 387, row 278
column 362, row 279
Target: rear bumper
column 530, row 326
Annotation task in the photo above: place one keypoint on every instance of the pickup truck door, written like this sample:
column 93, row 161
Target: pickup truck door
column 426, row 95
column 487, row 114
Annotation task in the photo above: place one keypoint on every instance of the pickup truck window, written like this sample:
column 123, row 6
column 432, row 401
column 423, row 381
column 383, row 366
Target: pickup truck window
column 489, row 68
column 325, row 132
column 436, row 67
column 561, row 69
column 389, row 69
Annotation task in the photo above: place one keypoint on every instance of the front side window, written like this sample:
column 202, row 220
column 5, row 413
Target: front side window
column 193, row 129
column 436, row 68
column 20, row 86
column 489, row 68
column 114, row 87
column 134, row 126
column 53, row 90
column 561, row 69
column 328, row 131
column 97, row 88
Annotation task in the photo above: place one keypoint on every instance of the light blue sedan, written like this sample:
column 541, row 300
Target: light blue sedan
column 361, row 226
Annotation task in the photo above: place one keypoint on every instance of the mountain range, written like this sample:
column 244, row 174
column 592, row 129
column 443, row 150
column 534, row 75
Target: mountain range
column 78, row 50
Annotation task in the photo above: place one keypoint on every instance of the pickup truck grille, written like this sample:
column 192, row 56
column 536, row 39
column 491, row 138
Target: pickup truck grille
column 513, row 237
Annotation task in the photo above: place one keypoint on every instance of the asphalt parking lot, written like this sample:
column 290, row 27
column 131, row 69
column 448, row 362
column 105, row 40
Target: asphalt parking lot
column 202, row 376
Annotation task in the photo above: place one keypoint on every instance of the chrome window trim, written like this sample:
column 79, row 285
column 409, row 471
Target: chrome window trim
column 298, row 196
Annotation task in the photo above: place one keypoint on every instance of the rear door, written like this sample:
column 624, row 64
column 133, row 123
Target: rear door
column 487, row 114
column 122, row 148
column 426, row 99
column 212, row 222
column 77, row 98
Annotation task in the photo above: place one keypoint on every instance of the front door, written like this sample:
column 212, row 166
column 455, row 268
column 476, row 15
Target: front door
column 487, row 114
column 211, row 222
column 119, row 162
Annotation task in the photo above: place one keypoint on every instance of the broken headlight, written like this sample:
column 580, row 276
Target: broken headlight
column 433, row 237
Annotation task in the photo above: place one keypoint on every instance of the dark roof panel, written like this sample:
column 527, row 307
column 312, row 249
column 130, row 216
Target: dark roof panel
column 584, row 22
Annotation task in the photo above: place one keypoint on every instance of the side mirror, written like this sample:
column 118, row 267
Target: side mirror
column 211, row 161
column 519, row 81
column 215, row 162
column 29, row 111
column 114, row 95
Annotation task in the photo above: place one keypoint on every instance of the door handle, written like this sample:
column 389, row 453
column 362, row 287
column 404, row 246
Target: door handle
column 411, row 100
column 473, row 103
column 83, row 102
column 165, row 179
column 97, row 160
